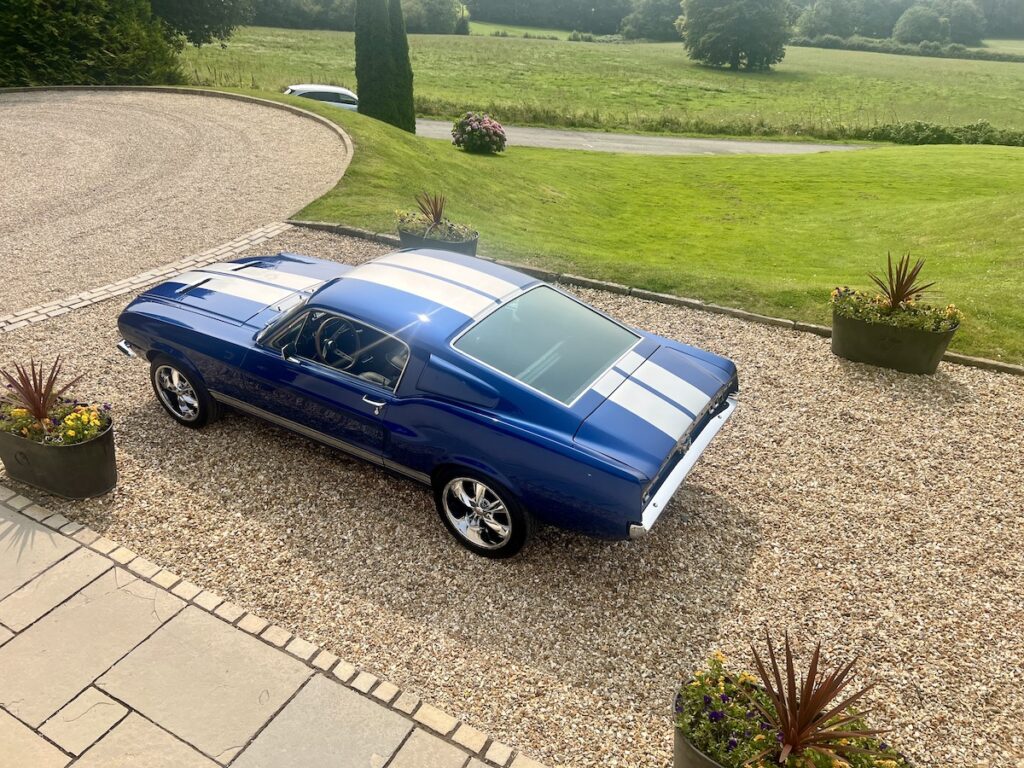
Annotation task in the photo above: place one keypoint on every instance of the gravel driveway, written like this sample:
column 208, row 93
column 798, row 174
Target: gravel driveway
column 878, row 512
column 95, row 186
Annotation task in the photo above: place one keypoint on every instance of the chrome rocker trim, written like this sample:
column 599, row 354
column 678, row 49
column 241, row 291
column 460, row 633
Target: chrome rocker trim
column 313, row 434
column 675, row 479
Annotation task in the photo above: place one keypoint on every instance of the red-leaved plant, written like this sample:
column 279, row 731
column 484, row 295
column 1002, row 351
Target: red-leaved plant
column 899, row 286
column 807, row 713
column 30, row 389
column 432, row 208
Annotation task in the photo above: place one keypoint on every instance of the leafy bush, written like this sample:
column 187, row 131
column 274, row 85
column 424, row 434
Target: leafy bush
column 950, row 51
column 500, row 33
column 479, row 133
column 462, row 25
column 919, row 23
column 652, row 20
column 429, row 221
column 747, row 34
column 581, row 37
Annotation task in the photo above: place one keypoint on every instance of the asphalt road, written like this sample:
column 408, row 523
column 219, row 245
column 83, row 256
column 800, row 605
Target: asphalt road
column 637, row 144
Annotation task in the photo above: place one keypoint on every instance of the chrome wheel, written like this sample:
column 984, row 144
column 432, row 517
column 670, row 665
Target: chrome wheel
column 477, row 513
column 176, row 393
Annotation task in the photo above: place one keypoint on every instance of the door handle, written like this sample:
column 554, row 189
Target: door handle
column 377, row 404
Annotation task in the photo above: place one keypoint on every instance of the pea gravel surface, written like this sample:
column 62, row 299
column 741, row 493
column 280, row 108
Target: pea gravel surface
column 876, row 512
column 99, row 185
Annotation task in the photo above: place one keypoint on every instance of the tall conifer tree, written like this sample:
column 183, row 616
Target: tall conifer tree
column 375, row 70
column 405, row 107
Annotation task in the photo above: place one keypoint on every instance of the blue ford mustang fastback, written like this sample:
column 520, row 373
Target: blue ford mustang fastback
column 515, row 401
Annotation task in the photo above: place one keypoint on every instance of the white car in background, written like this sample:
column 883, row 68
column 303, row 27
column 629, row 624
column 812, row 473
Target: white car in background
column 329, row 94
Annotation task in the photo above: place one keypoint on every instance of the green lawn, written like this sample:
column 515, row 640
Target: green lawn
column 769, row 234
column 637, row 86
column 1004, row 46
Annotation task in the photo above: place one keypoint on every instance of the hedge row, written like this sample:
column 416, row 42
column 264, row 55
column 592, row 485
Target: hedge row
column 927, row 48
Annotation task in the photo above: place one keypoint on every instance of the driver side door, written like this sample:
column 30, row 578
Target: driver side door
column 289, row 382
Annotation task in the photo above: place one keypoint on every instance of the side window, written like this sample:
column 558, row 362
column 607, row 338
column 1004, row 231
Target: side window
column 345, row 99
column 322, row 96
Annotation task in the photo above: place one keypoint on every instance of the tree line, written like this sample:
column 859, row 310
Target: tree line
column 421, row 16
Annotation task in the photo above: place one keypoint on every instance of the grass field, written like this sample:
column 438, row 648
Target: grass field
column 769, row 234
column 1004, row 46
column 637, row 87
column 486, row 28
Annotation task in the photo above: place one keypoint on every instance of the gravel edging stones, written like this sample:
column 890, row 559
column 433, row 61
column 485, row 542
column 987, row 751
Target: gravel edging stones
column 104, row 654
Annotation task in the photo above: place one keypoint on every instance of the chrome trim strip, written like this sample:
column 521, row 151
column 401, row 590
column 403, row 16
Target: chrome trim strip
column 675, row 388
column 676, row 477
column 410, row 473
column 462, row 300
column 466, row 276
column 657, row 412
column 280, row 421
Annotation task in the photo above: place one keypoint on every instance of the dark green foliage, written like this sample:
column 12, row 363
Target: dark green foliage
column 428, row 16
column 919, row 23
column 1004, row 16
column 375, row 67
column 747, row 34
column 652, row 20
column 462, row 25
column 434, row 17
column 202, row 21
column 951, row 51
column 401, row 88
column 601, row 17
column 828, row 17
column 89, row 42
column 966, row 22
column 876, row 18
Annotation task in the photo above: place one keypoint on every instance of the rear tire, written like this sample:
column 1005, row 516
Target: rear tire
column 182, row 393
column 482, row 514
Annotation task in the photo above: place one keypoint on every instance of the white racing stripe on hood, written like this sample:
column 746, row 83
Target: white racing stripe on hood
column 283, row 279
column 249, row 290
column 446, row 294
column 671, row 386
column 648, row 406
column 466, row 276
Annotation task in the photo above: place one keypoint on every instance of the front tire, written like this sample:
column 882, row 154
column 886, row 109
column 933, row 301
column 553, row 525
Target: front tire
column 482, row 515
column 182, row 393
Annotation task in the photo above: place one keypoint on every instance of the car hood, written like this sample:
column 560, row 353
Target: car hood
column 252, row 290
column 656, row 406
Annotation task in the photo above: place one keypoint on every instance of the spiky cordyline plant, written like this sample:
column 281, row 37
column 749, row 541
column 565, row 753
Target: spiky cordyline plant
column 807, row 715
column 431, row 206
column 900, row 285
column 28, row 388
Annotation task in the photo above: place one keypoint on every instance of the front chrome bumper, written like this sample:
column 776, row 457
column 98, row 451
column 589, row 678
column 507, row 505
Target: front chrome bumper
column 126, row 349
column 676, row 477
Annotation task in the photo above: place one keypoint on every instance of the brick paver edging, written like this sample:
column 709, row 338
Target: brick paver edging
column 58, row 307
column 477, row 746
column 663, row 298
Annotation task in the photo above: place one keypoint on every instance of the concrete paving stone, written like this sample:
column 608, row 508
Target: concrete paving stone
column 20, row 748
column 229, row 612
column 137, row 743
column 166, row 579
column 364, row 682
column 207, row 600
column 435, row 719
column 327, row 726
column 522, row 761
column 186, row 590
column 385, row 692
column 83, row 721
column 122, row 555
column 5, row 493
column 103, row 545
column 499, row 753
column 344, row 671
column 470, row 738
column 37, row 512
column 86, row 536
column 474, row 763
column 324, row 660
column 26, row 550
column 302, row 649
column 51, row 588
column 407, row 703
column 253, row 624
column 424, row 750
column 5, row 635
column 143, row 567
column 56, row 522
column 206, row 682
column 71, row 529
column 276, row 635
column 18, row 503
column 47, row 665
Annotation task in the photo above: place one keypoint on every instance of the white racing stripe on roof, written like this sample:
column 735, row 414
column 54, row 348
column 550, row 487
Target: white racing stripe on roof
column 446, row 294
column 466, row 276
column 261, row 293
column 651, row 408
column 629, row 362
column 284, row 279
column 673, row 387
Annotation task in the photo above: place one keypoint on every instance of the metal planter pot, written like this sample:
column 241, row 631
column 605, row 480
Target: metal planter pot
column 78, row 471
column 904, row 349
column 685, row 755
column 409, row 240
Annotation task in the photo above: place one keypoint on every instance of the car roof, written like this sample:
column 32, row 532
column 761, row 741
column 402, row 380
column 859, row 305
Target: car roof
column 424, row 295
column 325, row 88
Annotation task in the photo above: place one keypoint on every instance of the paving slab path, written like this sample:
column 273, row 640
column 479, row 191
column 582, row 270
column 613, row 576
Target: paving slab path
column 108, row 660
column 636, row 143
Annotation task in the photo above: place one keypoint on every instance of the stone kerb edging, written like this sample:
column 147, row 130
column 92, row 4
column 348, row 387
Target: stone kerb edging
column 662, row 298
column 337, row 129
column 475, row 743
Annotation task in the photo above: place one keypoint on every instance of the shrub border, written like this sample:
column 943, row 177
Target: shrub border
column 662, row 298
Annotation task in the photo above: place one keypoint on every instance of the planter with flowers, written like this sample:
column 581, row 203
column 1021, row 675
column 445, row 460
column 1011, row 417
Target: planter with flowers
column 893, row 328
column 729, row 720
column 479, row 133
column 53, row 442
column 428, row 227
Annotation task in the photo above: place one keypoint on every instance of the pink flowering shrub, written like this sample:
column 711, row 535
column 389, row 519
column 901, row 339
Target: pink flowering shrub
column 480, row 133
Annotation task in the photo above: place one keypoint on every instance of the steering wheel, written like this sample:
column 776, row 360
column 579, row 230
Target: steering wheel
column 327, row 348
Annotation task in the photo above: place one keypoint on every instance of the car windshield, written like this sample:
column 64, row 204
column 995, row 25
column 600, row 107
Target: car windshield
column 548, row 341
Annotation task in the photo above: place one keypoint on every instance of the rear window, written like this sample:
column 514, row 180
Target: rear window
column 549, row 342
